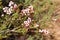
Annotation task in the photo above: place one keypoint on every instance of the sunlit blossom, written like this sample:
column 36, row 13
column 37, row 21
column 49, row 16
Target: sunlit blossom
column 5, row 9
column 11, row 3
column 27, row 23
column 43, row 31
column 28, row 10
column 9, row 12
column 31, row 8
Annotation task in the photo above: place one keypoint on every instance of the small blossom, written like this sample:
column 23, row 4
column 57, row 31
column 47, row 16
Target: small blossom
column 5, row 9
column 11, row 3
column 29, row 20
column 23, row 11
column 9, row 12
column 15, row 6
column 26, row 23
column 28, row 10
column 31, row 8
column 2, row 15
column 44, row 31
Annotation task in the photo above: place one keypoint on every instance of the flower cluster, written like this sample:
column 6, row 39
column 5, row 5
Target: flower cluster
column 28, row 10
column 44, row 31
column 9, row 9
column 27, row 23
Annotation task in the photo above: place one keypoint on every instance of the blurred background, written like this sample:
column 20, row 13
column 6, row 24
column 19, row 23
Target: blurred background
column 44, row 14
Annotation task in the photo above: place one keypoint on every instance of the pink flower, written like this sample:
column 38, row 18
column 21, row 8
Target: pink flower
column 31, row 8
column 9, row 11
column 15, row 5
column 29, row 20
column 27, row 10
column 26, row 23
column 5, row 9
column 11, row 3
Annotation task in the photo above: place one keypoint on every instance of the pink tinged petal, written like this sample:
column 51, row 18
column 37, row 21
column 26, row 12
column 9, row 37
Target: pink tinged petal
column 11, row 3
column 29, row 20
column 15, row 5
column 27, row 10
column 9, row 12
column 27, row 25
column 23, row 11
column 25, row 22
column 5, row 9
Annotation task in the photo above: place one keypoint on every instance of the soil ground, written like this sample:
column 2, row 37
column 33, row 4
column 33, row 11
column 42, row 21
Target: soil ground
column 54, row 27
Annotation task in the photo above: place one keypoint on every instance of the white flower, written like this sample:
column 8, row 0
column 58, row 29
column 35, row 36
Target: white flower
column 27, row 23
column 2, row 15
column 23, row 11
column 11, row 3
column 28, row 10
